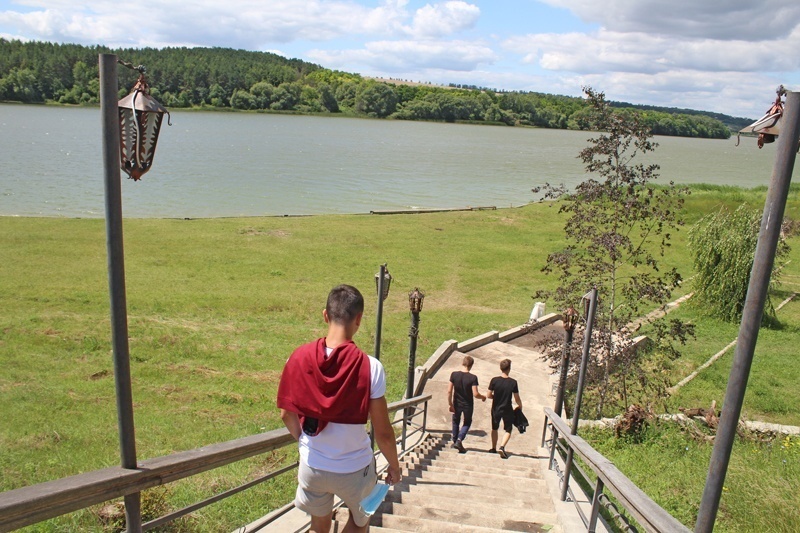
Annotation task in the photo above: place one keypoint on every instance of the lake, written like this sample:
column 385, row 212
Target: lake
column 217, row 164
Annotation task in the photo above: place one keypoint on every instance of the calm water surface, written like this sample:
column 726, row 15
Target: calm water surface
column 236, row 164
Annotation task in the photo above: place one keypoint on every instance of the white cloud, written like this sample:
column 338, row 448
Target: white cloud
column 440, row 20
column 249, row 24
column 611, row 51
column 713, row 19
column 397, row 56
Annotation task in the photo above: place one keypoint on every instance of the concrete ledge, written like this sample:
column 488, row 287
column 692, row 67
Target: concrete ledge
column 434, row 363
column 477, row 342
column 513, row 333
column 519, row 331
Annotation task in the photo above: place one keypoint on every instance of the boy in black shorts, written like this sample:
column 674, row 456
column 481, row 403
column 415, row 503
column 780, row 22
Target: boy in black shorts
column 501, row 390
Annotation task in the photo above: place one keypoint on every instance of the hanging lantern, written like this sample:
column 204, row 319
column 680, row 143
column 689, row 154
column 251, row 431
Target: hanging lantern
column 767, row 127
column 415, row 299
column 140, row 117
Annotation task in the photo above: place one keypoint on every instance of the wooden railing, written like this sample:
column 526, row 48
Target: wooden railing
column 647, row 513
column 29, row 505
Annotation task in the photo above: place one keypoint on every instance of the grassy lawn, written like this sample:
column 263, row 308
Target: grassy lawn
column 216, row 306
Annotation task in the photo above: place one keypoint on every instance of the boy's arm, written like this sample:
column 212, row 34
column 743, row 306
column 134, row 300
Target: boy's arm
column 477, row 393
column 516, row 399
column 292, row 423
column 384, row 437
column 450, row 396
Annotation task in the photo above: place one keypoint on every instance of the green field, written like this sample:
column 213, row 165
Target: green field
column 216, row 305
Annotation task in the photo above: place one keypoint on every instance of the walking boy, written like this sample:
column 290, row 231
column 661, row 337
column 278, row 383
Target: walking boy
column 461, row 391
column 501, row 389
column 328, row 390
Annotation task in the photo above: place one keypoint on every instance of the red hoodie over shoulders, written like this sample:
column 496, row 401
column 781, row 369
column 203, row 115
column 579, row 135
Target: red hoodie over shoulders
column 331, row 389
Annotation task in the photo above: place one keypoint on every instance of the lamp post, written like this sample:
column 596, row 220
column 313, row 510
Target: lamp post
column 763, row 261
column 130, row 132
column 415, row 299
column 590, row 305
column 570, row 320
column 383, row 280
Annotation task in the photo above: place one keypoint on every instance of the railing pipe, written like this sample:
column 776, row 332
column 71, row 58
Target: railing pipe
column 598, row 491
column 587, row 340
column 786, row 153
column 116, row 279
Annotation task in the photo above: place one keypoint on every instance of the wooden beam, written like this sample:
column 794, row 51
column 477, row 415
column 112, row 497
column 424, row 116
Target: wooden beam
column 29, row 505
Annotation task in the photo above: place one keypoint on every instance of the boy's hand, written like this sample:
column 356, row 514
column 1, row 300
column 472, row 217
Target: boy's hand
column 452, row 409
column 393, row 475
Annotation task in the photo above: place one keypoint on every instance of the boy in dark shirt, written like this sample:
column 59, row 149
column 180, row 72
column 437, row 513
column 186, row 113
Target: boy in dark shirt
column 501, row 389
column 461, row 390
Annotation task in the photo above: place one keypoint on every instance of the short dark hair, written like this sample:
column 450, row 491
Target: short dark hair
column 468, row 361
column 505, row 366
column 344, row 304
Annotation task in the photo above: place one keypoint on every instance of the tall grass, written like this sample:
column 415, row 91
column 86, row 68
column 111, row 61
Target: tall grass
column 216, row 306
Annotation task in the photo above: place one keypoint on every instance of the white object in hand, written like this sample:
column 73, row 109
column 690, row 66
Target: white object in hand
column 371, row 503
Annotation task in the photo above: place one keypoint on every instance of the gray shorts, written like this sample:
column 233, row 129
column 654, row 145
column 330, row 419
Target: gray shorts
column 316, row 488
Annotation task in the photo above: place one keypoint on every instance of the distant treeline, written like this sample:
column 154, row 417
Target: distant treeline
column 34, row 72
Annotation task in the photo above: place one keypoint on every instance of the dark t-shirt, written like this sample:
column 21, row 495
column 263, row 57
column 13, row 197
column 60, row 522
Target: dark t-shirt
column 462, row 386
column 503, row 390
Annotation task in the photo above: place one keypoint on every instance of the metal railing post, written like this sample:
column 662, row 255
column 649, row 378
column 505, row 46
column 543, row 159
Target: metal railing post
column 562, row 383
column 598, row 491
column 587, row 340
column 752, row 313
column 116, row 278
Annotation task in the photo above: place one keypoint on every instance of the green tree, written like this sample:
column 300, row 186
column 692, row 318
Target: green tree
column 243, row 100
column 262, row 92
column 376, row 100
column 286, row 96
column 723, row 247
column 617, row 228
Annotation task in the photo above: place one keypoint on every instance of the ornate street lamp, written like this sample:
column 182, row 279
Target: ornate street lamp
column 415, row 299
column 140, row 117
column 383, row 281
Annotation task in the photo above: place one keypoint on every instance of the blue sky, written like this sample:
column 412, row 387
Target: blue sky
column 722, row 55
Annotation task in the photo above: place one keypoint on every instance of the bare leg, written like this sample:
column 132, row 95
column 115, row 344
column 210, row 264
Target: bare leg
column 494, row 439
column 320, row 524
column 351, row 527
column 506, row 437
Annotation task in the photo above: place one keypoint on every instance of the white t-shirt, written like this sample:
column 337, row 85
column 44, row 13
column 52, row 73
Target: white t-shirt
column 344, row 448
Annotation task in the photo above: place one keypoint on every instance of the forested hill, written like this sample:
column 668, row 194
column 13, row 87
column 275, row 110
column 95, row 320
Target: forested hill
column 35, row 72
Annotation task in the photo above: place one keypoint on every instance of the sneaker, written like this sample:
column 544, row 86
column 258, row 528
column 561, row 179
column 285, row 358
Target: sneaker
column 459, row 447
column 492, row 450
column 502, row 453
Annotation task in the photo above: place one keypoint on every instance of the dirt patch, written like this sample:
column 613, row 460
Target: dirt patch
column 269, row 233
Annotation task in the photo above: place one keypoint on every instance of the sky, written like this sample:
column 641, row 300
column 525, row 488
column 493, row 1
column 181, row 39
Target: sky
column 727, row 56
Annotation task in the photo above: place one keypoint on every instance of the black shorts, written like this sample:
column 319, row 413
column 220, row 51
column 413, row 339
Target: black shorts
column 506, row 416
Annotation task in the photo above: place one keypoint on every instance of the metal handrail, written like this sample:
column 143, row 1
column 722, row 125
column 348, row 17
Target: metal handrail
column 651, row 516
column 35, row 503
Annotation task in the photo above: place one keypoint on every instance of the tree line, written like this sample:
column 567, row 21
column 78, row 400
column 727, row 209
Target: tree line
column 37, row 72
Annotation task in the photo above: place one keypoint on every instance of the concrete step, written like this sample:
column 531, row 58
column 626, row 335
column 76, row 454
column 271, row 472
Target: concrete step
column 499, row 467
column 438, row 484
column 478, row 472
column 462, row 477
column 421, row 525
column 452, row 499
column 474, row 514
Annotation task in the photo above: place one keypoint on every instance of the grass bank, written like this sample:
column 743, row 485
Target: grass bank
column 215, row 307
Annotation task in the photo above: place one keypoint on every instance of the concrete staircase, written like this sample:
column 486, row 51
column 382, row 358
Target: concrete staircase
column 443, row 490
